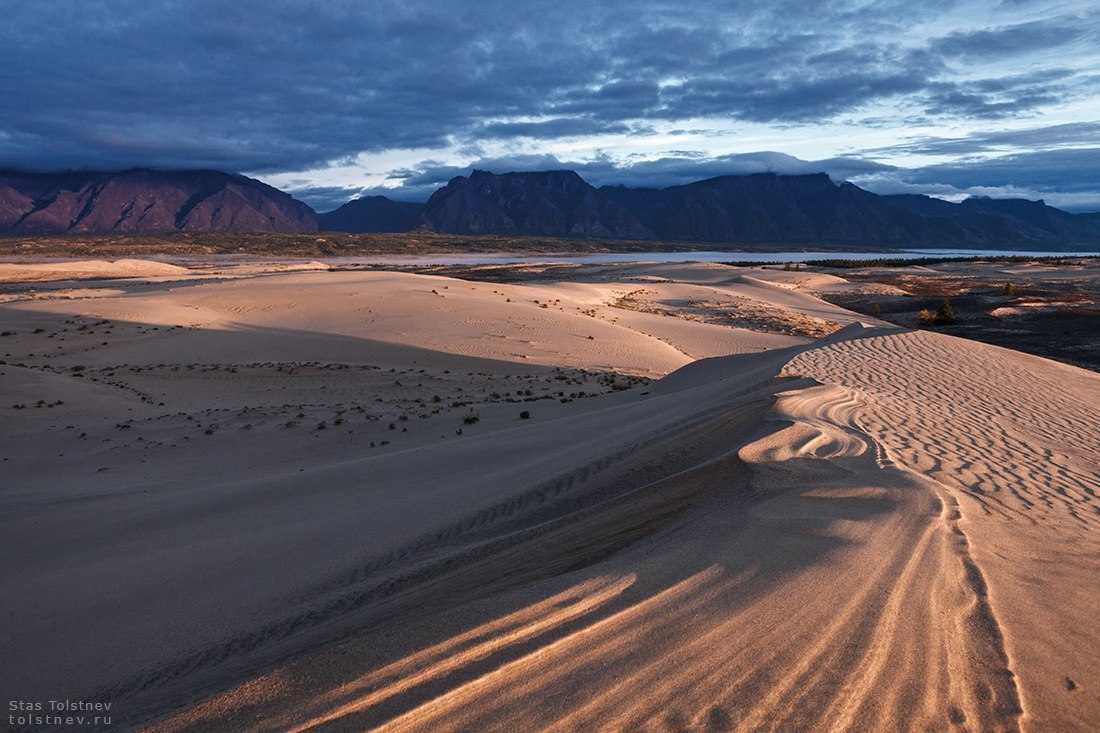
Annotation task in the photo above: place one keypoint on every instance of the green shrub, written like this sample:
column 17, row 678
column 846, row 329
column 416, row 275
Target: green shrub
column 944, row 314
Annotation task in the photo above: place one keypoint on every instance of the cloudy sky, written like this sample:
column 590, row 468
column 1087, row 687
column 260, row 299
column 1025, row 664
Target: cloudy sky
column 331, row 100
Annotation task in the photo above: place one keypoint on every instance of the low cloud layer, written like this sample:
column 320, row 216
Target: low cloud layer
column 1063, row 178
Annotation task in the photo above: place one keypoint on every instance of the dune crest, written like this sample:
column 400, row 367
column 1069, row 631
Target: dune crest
column 448, row 505
column 1011, row 442
column 827, row 582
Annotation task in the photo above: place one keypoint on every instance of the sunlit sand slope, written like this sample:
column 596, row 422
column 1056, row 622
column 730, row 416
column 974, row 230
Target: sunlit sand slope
column 899, row 537
column 877, row 530
column 1013, row 442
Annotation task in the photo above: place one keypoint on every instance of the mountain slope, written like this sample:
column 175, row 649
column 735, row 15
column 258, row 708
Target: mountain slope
column 554, row 203
column 764, row 208
column 767, row 208
column 371, row 214
column 985, row 221
column 145, row 201
column 758, row 209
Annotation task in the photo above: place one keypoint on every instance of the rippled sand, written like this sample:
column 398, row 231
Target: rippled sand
column 877, row 529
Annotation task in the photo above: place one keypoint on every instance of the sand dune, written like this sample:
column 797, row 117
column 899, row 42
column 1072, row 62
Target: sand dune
column 1014, row 440
column 878, row 529
column 85, row 269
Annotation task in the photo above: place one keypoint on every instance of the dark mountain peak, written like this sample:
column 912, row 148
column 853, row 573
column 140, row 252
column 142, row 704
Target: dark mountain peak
column 564, row 175
column 371, row 214
column 772, row 176
column 145, row 200
column 759, row 208
column 555, row 203
column 1017, row 204
column 764, row 208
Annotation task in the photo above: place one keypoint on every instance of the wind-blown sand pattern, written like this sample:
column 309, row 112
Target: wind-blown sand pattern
column 880, row 529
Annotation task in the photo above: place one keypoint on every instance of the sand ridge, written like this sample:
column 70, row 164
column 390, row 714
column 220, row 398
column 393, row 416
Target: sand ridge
column 875, row 529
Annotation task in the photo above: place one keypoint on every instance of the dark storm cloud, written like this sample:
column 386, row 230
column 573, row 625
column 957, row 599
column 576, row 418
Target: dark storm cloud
column 550, row 129
column 272, row 86
column 1073, row 135
column 796, row 100
column 1070, row 171
column 955, row 100
column 1004, row 96
column 1013, row 39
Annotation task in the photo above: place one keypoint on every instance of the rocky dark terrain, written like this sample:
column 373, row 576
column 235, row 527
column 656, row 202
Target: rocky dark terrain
column 767, row 208
column 372, row 214
column 146, row 201
column 813, row 209
column 759, row 209
column 983, row 222
column 555, row 203
column 764, row 209
column 1049, row 308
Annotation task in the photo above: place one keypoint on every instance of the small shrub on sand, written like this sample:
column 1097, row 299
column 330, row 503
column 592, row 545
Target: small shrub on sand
column 525, row 415
column 944, row 314
column 1009, row 289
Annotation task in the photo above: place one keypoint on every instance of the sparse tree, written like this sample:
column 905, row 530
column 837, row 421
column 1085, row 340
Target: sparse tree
column 945, row 314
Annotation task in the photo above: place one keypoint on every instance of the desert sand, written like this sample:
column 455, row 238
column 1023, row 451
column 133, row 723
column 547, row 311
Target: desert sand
column 289, row 498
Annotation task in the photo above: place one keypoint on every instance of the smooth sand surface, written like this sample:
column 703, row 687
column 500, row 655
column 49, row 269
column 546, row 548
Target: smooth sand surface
column 85, row 269
column 263, row 503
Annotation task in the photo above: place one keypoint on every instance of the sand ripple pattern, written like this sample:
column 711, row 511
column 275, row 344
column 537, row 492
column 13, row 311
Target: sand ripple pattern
column 845, row 600
column 800, row 557
column 1012, row 443
column 1018, row 433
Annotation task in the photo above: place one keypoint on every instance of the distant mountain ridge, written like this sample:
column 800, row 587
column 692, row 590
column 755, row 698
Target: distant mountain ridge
column 765, row 208
column 547, row 203
column 757, row 209
column 746, row 210
column 372, row 214
column 141, row 200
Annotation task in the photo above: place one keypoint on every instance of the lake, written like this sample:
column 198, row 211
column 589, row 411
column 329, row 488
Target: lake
column 496, row 258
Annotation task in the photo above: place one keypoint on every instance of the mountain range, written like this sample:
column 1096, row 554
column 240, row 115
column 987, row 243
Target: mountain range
column 758, row 209
column 763, row 208
column 146, row 201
